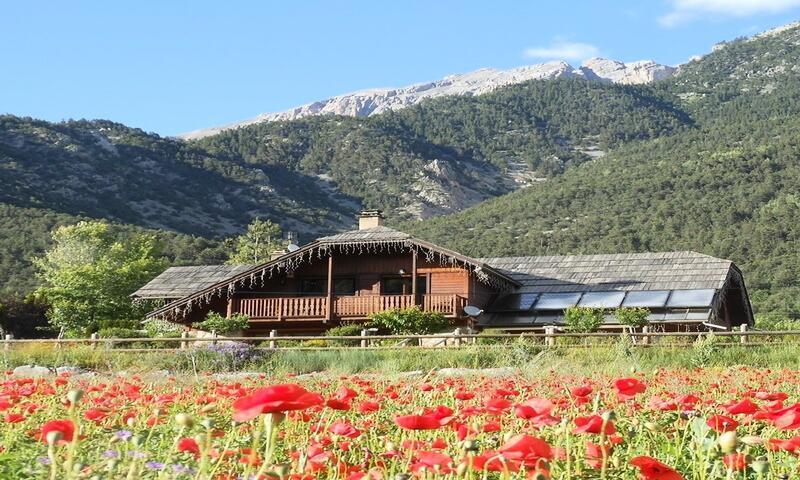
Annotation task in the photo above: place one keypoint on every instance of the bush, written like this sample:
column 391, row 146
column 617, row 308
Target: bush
column 347, row 330
column 117, row 332
column 632, row 317
column 583, row 319
column 215, row 322
column 776, row 322
column 411, row 321
column 161, row 328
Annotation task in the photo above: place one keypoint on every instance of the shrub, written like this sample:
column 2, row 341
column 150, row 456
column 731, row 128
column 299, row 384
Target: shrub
column 161, row 328
column 347, row 330
column 117, row 332
column 632, row 317
column 583, row 319
column 776, row 322
column 215, row 322
column 411, row 321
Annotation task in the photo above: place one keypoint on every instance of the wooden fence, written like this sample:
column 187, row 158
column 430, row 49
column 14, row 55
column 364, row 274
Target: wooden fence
column 550, row 338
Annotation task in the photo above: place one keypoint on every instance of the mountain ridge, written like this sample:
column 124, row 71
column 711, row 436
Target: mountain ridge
column 375, row 101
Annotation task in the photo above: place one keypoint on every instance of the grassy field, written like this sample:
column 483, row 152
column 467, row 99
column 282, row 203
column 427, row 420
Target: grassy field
column 614, row 356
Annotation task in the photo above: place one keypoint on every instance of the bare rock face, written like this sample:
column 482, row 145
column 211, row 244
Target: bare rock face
column 645, row 71
column 379, row 100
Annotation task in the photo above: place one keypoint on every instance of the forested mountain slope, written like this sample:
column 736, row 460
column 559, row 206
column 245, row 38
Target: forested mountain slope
column 730, row 186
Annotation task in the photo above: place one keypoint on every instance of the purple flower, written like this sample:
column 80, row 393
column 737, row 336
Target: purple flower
column 137, row 454
column 177, row 468
column 111, row 454
column 154, row 465
column 124, row 434
column 43, row 460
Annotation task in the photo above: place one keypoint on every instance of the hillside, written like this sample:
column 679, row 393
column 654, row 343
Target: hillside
column 728, row 187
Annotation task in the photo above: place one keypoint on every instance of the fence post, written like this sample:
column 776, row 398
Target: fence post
column 457, row 337
column 272, row 343
column 743, row 338
column 214, row 336
column 550, row 339
column 645, row 337
column 94, row 340
column 184, row 344
column 364, row 338
column 7, row 345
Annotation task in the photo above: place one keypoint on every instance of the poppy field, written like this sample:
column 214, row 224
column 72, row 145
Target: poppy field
column 735, row 423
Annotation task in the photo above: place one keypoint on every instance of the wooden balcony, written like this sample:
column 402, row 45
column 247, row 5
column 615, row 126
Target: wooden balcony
column 344, row 307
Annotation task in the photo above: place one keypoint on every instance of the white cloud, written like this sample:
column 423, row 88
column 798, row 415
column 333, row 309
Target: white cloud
column 686, row 10
column 563, row 50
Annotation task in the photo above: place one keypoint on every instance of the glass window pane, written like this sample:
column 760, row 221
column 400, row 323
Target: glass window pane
column 312, row 286
column 344, row 286
column 646, row 298
column 557, row 301
column 691, row 298
column 513, row 302
column 602, row 299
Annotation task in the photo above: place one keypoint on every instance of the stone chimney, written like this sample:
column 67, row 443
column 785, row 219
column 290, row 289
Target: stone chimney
column 370, row 219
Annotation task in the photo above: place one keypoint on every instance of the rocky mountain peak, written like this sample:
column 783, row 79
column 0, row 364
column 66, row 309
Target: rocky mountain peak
column 478, row 82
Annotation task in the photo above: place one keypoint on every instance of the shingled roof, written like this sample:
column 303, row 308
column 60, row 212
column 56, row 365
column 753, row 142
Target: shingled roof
column 178, row 282
column 624, row 272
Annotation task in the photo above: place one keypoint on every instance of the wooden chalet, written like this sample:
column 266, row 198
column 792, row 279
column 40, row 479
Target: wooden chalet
column 346, row 277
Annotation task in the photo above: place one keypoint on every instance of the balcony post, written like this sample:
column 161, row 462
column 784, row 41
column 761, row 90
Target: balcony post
column 229, row 313
column 414, row 277
column 329, row 302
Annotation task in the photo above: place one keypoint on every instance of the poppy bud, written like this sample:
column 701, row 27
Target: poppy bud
column 390, row 447
column 53, row 437
column 131, row 421
column 74, row 396
column 752, row 440
column 184, row 420
column 402, row 476
column 207, row 423
column 282, row 470
column 728, row 442
column 208, row 408
column 471, row 446
column 462, row 469
column 609, row 415
column 760, row 465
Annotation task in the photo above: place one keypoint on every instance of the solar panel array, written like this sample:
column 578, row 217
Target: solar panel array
column 698, row 298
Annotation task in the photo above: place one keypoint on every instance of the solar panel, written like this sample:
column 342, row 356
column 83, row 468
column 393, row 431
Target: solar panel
column 557, row 301
column 514, row 302
column 602, row 299
column 691, row 298
column 646, row 298
column 526, row 300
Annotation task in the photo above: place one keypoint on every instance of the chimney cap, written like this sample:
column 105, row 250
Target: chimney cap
column 370, row 213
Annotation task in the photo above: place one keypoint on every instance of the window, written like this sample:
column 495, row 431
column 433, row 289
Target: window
column 344, row 286
column 602, row 299
column 691, row 298
column 312, row 286
column 557, row 301
column 402, row 285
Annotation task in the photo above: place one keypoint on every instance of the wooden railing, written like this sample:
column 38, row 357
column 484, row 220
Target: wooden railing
column 284, row 307
column 279, row 308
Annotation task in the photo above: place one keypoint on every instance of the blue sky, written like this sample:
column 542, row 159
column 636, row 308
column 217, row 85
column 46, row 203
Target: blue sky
column 173, row 66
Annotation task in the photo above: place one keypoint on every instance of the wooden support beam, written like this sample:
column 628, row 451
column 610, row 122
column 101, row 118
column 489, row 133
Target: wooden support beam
column 414, row 275
column 229, row 313
column 329, row 305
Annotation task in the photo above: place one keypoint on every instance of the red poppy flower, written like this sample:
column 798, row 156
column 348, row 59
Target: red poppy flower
column 344, row 429
column 628, row 388
column 789, row 419
column 721, row 423
column 189, row 445
column 735, row 461
column 745, row 407
column 277, row 398
column 593, row 424
column 418, row 422
column 652, row 469
column 65, row 427
column 526, row 449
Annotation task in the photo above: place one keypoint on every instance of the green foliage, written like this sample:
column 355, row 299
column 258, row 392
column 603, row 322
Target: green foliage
column 222, row 325
column 776, row 321
column 346, row 330
column 89, row 274
column 118, row 332
column 583, row 319
column 633, row 317
column 411, row 321
column 256, row 244
column 156, row 327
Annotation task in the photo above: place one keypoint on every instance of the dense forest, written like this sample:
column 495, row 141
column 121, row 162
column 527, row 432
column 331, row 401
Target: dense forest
column 705, row 160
